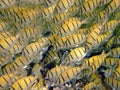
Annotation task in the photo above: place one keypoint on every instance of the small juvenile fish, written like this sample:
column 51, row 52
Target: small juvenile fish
column 110, row 43
column 7, row 43
column 8, row 79
column 30, row 33
column 23, row 83
column 4, row 60
column 92, row 37
column 70, row 26
column 51, row 57
column 48, row 13
column 60, row 43
column 63, row 5
column 102, row 38
column 95, row 62
column 74, row 40
column 110, row 62
column 76, row 55
column 55, row 72
column 110, row 26
column 4, row 26
column 114, row 5
column 21, row 62
column 67, row 75
column 6, row 3
column 115, row 84
column 89, row 5
column 79, row 3
column 49, row 3
column 39, row 85
column 5, row 34
column 115, row 52
column 32, row 49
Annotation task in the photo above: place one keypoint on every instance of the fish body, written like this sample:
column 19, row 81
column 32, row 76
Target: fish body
column 92, row 85
column 55, row 72
column 110, row 43
column 115, row 52
column 60, row 43
column 48, row 13
column 67, row 75
column 110, row 62
column 32, row 49
column 21, row 62
column 92, row 37
column 4, row 26
column 5, row 34
column 7, row 3
column 6, row 43
column 70, row 26
column 95, row 61
column 110, row 26
column 8, row 79
column 75, row 40
column 115, row 84
column 75, row 55
column 4, row 60
column 51, row 57
column 114, row 5
column 49, row 3
column 63, row 5
column 89, row 5
column 23, row 83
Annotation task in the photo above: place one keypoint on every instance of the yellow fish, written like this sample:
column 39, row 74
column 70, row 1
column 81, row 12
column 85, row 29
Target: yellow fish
column 75, row 55
column 6, row 3
column 115, row 84
column 63, row 5
column 23, row 83
column 67, row 75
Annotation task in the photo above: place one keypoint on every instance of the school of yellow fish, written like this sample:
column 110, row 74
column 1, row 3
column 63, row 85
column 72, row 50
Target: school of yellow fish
column 59, row 44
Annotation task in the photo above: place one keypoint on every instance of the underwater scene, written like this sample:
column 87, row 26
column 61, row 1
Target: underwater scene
column 59, row 44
